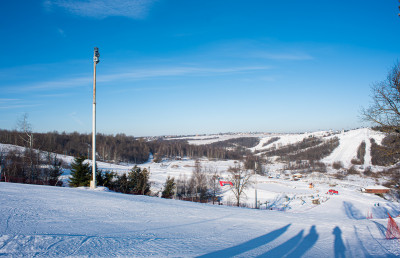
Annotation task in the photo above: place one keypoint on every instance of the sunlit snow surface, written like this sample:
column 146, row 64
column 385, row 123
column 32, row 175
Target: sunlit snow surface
column 53, row 221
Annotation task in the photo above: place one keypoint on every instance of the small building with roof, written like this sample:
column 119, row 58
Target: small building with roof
column 376, row 189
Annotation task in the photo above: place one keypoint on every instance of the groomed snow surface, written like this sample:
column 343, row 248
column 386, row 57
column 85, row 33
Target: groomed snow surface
column 53, row 221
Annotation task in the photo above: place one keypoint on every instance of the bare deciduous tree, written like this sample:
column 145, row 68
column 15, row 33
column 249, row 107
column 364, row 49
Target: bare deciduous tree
column 199, row 181
column 240, row 178
column 25, row 127
column 213, row 181
column 384, row 110
column 182, row 186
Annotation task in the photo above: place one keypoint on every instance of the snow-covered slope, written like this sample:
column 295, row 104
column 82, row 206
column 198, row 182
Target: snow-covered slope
column 285, row 139
column 349, row 143
column 45, row 221
column 208, row 139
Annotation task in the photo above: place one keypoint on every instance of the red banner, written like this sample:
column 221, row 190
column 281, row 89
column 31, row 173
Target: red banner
column 224, row 183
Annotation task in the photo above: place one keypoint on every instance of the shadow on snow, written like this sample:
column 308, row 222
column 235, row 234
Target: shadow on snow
column 249, row 245
column 339, row 247
column 352, row 212
column 306, row 243
column 294, row 247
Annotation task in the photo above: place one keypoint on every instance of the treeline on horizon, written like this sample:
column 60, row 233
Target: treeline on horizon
column 123, row 148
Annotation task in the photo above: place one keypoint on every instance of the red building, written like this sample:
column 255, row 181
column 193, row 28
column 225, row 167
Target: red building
column 377, row 189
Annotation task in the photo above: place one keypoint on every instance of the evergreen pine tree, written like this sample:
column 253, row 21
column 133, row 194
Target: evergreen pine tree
column 105, row 178
column 169, row 188
column 139, row 181
column 80, row 172
column 122, row 184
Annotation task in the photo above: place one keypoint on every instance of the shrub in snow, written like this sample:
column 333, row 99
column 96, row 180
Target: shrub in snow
column 337, row 165
column 353, row 171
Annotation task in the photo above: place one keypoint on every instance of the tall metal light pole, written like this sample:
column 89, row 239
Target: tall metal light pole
column 255, row 189
column 95, row 62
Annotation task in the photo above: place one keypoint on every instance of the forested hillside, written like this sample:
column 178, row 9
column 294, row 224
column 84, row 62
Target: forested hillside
column 123, row 148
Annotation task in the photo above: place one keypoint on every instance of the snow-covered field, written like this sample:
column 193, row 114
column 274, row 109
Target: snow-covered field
column 347, row 150
column 53, row 221
column 39, row 221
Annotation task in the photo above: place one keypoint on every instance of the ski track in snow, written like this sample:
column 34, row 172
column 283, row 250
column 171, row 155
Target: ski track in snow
column 52, row 221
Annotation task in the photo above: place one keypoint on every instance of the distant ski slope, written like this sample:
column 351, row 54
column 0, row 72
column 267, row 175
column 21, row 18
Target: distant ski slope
column 349, row 143
column 347, row 150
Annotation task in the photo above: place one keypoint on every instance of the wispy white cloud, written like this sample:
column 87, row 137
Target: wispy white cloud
column 56, row 84
column 14, row 104
column 280, row 55
column 135, row 74
column 149, row 89
column 32, row 71
column 60, row 95
column 178, row 71
column 8, row 100
column 18, row 106
column 136, row 9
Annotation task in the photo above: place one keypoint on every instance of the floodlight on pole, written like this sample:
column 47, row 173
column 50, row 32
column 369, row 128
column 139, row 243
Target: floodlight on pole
column 255, row 189
column 96, row 60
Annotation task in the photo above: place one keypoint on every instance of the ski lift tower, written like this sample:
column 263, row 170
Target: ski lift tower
column 95, row 62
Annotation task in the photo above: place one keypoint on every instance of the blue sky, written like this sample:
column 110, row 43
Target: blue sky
column 170, row 67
